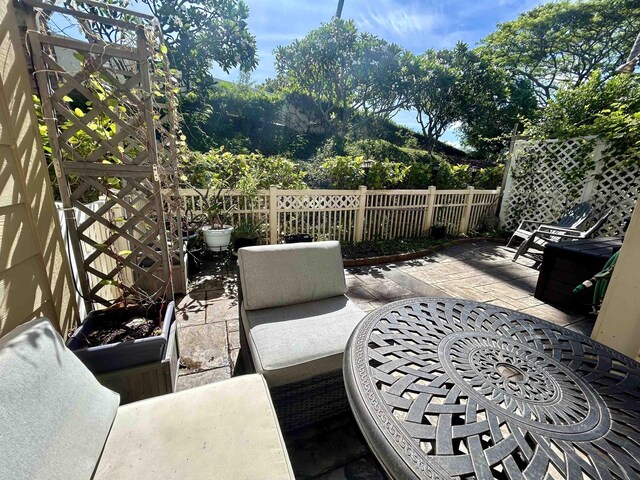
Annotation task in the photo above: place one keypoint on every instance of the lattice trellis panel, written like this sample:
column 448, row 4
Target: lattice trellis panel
column 108, row 102
column 538, row 187
column 324, row 215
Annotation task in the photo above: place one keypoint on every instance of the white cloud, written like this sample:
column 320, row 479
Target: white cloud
column 399, row 19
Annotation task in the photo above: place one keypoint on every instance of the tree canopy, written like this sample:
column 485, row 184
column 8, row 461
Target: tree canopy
column 342, row 71
column 203, row 33
column 564, row 42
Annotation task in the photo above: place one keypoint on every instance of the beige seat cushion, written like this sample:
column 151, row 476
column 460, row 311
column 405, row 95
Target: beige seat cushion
column 226, row 430
column 296, row 342
column 54, row 415
column 277, row 275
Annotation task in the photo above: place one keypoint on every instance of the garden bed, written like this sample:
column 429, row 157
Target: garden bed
column 387, row 251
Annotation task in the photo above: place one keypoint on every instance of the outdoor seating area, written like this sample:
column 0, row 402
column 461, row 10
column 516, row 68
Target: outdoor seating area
column 210, row 336
column 400, row 250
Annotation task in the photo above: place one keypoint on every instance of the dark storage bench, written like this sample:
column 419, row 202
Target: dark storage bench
column 567, row 264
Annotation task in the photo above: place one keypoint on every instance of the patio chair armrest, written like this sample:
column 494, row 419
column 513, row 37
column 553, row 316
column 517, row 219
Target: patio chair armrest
column 568, row 234
column 551, row 229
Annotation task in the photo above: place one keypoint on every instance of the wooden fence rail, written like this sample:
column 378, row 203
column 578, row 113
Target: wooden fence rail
column 355, row 215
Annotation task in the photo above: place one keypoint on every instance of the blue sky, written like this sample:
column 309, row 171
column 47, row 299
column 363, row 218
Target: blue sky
column 414, row 24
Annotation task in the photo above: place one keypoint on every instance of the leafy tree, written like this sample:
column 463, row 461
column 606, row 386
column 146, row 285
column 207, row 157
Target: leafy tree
column 564, row 42
column 342, row 71
column 493, row 102
column 434, row 90
column 609, row 110
column 199, row 34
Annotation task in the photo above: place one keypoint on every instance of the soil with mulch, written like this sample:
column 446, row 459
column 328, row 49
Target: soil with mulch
column 123, row 324
column 383, row 248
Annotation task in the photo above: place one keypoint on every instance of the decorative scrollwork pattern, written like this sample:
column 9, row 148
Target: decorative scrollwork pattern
column 471, row 390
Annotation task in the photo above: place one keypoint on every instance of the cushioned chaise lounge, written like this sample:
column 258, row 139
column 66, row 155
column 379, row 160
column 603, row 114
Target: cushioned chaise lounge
column 58, row 423
column 296, row 321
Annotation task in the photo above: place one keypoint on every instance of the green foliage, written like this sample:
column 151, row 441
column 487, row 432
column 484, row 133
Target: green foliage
column 342, row 71
column 608, row 110
column 384, row 150
column 200, row 34
column 84, row 143
column 564, row 42
column 248, row 227
column 489, row 178
column 246, row 171
column 434, row 91
column 242, row 118
column 350, row 172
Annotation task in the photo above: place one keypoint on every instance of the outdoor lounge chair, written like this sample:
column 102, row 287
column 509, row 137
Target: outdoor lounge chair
column 548, row 233
column 58, row 423
column 296, row 321
column 574, row 219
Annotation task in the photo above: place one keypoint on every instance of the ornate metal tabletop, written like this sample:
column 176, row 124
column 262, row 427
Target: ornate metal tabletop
column 447, row 388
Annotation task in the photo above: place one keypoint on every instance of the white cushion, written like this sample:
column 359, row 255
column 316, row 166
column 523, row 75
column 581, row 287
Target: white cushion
column 225, row 430
column 296, row 342
column 54, row 415
column 276, row 275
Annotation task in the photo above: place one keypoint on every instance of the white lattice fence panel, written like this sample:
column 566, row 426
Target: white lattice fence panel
column 325, row 215
column 616, row 187
column 538, row 189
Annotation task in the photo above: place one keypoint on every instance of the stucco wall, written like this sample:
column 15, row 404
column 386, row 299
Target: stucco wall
column 618, row 324
column 34, row 272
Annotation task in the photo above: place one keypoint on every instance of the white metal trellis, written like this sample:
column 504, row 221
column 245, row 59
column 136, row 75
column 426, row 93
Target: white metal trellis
column 108, row 103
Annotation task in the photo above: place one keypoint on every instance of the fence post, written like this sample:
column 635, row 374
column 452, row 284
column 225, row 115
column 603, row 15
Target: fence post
column 358, row 234
column 273, row 214
column 466, row 214
column 428, row 215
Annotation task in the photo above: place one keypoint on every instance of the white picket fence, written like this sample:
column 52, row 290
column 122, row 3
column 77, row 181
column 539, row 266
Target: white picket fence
column 356, row 215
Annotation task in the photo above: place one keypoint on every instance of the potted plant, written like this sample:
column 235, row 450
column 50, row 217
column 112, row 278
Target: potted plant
column 438, row 231
column 246, row 233
column 123, row 336
column 217, row 233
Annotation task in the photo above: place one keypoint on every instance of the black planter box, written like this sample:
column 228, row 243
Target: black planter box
column 242, row 242
column 115, row 356
column 298, row 238
column 438, row 233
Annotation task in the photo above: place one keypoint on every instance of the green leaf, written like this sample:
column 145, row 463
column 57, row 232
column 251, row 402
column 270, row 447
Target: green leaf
column 67, row 98
column 79, row 113
column 163, row 49
column 124, row 253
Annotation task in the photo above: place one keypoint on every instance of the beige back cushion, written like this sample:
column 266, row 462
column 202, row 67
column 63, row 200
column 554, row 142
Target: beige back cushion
column 277, row 275
column 54, row 415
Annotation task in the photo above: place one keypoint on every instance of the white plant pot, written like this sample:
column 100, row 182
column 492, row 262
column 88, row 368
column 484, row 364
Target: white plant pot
column 217, row 239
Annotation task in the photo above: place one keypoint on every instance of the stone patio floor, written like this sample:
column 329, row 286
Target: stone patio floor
column 483, row 271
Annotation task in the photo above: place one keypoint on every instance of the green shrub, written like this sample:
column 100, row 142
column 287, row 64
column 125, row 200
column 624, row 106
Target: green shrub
column 349, row 172
column 240, row 169
column 489, row 178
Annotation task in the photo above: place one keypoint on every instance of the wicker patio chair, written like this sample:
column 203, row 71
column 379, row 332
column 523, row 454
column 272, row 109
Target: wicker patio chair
column 549, row 233
column 295, row 324
column 574, row 219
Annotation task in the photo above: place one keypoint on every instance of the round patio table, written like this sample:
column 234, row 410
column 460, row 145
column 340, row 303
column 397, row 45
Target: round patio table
column 448, row 388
